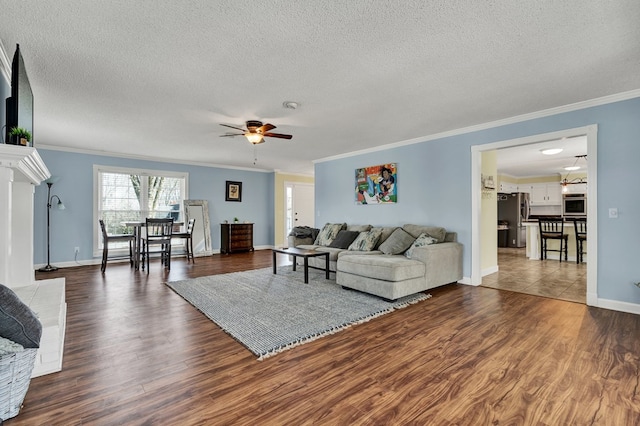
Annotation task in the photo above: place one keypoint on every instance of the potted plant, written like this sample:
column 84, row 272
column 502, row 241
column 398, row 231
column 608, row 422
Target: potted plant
column 20, row 136
column 235, row 220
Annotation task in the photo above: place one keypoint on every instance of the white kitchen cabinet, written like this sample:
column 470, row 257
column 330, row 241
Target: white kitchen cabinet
column 578, row 188
column 508, row 187
column 545, row 194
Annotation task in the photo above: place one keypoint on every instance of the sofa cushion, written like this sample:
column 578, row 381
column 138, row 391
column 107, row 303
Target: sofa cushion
column 359, row 228
column 383, row 267
column 328, row 233
column 308, row 246
column 344, row 239
column 421, row 241
column 18, row 323
column 397, row 243
column 385, row 232
column 436, row 232
column 366, row 241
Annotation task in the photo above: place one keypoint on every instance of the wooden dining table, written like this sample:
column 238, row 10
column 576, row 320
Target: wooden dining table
column 137, row 242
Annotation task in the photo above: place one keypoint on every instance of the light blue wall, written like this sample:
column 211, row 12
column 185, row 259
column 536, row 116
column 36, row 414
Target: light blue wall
column 74, row 226
column 434, row 187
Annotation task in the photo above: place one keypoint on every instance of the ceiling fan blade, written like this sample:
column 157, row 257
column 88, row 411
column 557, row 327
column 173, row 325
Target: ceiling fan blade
column 278, row 135
column 232, row 134
column 265, row 128
column 233, row 127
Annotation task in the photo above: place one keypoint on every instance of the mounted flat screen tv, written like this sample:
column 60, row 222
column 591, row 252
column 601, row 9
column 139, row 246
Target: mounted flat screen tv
column 19, row 107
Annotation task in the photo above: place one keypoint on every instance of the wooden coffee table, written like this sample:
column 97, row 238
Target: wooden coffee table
column 305, row 254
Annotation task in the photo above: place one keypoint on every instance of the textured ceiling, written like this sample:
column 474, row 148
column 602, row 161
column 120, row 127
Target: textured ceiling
column 155, row 78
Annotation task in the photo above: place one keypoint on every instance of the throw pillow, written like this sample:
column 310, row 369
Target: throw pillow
column 328, row 233
column 385, row 232
column 366, row 241
column 344, row 239
column 437, row 232
column 397, row 242
column 421, row 241
column 359, row 228
column 18, row 323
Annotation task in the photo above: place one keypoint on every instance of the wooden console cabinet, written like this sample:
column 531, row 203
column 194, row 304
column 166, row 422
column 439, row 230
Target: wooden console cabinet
column 236, row 237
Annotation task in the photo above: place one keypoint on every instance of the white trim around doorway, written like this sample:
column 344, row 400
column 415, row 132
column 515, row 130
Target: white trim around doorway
column 591, row 133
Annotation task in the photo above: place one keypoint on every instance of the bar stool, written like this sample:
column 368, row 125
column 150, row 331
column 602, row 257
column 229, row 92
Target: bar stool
column 580, row 227
column 552, row 229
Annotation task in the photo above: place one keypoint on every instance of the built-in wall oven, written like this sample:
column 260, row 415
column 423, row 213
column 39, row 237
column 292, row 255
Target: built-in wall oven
column 574, row 205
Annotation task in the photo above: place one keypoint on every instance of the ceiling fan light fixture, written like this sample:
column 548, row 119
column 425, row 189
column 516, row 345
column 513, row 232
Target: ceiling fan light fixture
column 551, row 151
column 254, row 138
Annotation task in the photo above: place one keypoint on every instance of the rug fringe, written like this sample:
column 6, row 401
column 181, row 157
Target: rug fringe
column 339, row 328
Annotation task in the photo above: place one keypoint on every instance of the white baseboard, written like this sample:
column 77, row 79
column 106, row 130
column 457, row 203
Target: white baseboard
column 466, row 281
column 616, row 305
column 490, row 270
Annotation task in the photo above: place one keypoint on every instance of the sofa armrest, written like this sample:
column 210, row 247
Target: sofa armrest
column 296, row 241
column 443, row 262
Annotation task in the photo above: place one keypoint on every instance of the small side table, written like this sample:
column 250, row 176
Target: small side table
column 305, row 254
column 236, row 237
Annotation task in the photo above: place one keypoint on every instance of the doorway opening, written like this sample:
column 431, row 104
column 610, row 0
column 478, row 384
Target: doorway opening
column 299, row 200
column 477, row 246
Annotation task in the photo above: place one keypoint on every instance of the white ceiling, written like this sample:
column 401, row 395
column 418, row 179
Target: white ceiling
column 529, row 161
column 155, row 78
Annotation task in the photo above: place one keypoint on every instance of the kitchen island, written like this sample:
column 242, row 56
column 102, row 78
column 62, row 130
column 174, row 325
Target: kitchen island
column 533, row 242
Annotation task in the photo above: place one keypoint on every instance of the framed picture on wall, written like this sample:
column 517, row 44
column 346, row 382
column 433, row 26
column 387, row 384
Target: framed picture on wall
column 377, row 184
column 234, row 191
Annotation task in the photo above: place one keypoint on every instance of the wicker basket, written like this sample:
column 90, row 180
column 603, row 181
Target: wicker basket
column 15, row 376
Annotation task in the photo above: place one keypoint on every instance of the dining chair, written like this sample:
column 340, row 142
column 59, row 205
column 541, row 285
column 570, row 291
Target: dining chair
column 112, row 238
column 580, row 228
column 158, row 234
column 188, row 236
column 552, row 228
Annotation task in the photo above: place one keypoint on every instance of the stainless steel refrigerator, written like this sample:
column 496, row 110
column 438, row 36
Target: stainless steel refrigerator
column 514, row 208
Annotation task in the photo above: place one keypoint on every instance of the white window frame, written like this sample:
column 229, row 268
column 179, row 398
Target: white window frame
column 98, row 169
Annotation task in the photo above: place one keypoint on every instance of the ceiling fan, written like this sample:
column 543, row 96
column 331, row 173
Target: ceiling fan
column 256, row 131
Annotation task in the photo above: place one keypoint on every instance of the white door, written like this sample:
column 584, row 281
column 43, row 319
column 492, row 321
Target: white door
column 300, row 203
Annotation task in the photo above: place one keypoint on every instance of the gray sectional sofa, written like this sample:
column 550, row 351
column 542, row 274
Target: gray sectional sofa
column 390, row 262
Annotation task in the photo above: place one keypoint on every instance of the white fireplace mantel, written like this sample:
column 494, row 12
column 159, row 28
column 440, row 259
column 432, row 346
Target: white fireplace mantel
column 26, row 163
column 21, row 169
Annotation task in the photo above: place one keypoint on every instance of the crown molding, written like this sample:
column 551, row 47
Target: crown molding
column 5, row 64
column 147, row 158
column 283, row 173
column 618, row 97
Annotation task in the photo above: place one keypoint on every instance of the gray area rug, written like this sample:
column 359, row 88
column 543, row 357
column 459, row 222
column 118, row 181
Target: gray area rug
column 271, row 313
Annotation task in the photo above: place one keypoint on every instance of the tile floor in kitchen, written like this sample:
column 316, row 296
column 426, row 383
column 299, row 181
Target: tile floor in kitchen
column 548, row 278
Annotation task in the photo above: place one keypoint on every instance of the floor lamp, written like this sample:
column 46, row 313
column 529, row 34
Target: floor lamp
column 59, row 206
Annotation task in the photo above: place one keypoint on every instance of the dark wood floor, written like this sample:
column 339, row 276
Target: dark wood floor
column 136, row 353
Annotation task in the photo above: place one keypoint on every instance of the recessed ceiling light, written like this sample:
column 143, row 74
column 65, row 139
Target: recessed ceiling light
column 551, row 151
column 571, row 168
column 290, row 104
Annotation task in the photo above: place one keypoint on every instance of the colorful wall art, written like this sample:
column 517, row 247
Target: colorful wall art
column 377, row 184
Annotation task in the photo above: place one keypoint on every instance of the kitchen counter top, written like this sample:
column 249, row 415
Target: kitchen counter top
column 533, row 237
